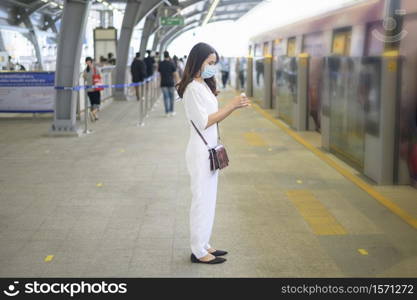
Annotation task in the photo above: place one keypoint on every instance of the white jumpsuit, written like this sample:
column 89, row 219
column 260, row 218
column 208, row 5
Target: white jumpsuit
column 199, row 103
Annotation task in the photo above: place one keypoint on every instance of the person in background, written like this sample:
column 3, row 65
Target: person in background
column 103, row 60
column 93, row 95
column 111, row 60
column 157, row 58
column 175, row 61
column 150, row 63
column 139, row 71
column 20, row 67
column 168, row 71
column 10, row 64
column 242, row 69
column 225, row 69
column 180, row 67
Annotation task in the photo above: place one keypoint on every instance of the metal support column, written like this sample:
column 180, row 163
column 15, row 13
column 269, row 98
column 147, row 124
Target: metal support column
column 155, row 41
column 130, row 19
column 379, row 161
column 32, row 36
column 134, row 12
column 147, row 29
column 2, row 48
column 68, row 65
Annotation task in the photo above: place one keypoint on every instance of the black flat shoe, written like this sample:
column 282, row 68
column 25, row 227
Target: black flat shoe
column 219, row 253
column 217, row 260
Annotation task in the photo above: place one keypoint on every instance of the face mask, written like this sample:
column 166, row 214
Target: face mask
column 209, row 71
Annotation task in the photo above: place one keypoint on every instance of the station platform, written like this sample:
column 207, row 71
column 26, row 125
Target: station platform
column 115, row 203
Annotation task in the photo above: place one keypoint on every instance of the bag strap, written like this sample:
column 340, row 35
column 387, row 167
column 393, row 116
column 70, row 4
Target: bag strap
column 199, row 133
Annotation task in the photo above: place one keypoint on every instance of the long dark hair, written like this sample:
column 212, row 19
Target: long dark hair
column 88, row 58
column 196, row 58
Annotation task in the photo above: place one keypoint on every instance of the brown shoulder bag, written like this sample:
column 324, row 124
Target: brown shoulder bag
column 218, row 155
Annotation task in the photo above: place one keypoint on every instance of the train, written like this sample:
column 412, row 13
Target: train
column 360, row 97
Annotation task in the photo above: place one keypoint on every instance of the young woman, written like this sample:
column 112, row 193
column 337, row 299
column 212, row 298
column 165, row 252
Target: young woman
column 93, row 95
column 198, row 90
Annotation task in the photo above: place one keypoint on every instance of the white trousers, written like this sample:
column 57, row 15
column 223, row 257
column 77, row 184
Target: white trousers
column 203, row 203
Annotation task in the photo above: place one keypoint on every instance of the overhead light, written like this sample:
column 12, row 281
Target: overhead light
column 210, row 12
column 61, row 6
column 54, row 4
column 44, row 1
column 99, row 1
column 106, row 3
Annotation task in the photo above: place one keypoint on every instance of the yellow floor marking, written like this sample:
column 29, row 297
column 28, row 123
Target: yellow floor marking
column 363, row 251
column 346, row 173
column 299, row 181
column 49, row 258
column 99, row 184
column 320, row 220
column 269, row 149
column 254, row 139
column 122, row 150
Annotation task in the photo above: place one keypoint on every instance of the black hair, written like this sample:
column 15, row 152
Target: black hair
column 137, row 55
column 166, row 54
column 88, row 58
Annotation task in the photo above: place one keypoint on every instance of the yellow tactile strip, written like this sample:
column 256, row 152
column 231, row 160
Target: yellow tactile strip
column 346, row 173
column 320, row 220
column 254, row 139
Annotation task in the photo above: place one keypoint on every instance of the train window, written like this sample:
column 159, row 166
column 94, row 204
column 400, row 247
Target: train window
column 374, row 46
column 291, row 47
column 342, row 41
column 257, row 50
column 313, row 44
column 279, row 48
column 267, row 50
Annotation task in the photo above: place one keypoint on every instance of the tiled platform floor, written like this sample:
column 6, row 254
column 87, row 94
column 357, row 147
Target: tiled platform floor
column 115, row 203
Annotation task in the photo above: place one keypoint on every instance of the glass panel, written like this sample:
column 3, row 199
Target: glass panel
column 242, row 67
column 286, row 87
column 258, row 78
column 315, row 78
column 352, row 86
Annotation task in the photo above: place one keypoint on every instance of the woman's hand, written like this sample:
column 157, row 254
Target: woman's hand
column 240, row 101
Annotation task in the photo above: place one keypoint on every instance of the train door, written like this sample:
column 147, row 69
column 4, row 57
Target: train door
column 341, row 41
column 314, row 45
column 374, row 45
